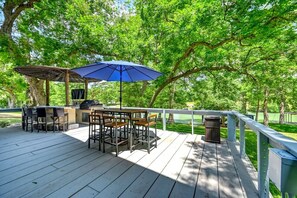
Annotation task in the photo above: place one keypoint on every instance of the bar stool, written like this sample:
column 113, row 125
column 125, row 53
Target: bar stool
column 145, row 136
column 24, row 118
column 60, row 116
column 29, row 118
column 95, row 128
column 43, row 118
column 112, row 128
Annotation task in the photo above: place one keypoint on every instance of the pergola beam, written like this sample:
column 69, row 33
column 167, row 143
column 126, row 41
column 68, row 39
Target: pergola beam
column 67, row 87
column 47, row 90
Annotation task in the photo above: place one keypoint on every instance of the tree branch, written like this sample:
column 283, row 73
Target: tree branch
column 194, row 45
column 249, row 53
column 11, row 11
column 186, row 74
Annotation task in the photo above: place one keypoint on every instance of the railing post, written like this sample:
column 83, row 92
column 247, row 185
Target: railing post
column 231, row 128
column 164, row 120
column 192, row 122
column 242, row 138
column 262, row 156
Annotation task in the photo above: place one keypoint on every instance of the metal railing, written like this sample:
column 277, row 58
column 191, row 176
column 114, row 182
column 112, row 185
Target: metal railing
column 265, row 137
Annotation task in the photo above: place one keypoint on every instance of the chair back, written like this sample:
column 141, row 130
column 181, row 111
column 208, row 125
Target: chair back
column 107, row 119
column 24, row 109
column 41, row 112
column 29, row 112
column 95, row 118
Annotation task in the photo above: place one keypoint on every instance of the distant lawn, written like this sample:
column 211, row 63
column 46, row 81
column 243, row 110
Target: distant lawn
column 9, row 118
column 10, row 115
column 289, row 130
column 273, row 117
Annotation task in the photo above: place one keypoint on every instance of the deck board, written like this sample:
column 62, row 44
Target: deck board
column 61, row 165
column 143, row 183
column 186, row 182
column 109, row 177
column 226, row 170
column 207, row 184
column 166, row 179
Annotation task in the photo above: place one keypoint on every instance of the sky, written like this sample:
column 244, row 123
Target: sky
column 1, row 13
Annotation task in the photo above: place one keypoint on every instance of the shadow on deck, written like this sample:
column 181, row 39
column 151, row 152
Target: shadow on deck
column 61, row 165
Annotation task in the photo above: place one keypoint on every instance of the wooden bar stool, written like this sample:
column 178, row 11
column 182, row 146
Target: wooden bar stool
column 145, row 135
column 95, row 128
column 113, row 127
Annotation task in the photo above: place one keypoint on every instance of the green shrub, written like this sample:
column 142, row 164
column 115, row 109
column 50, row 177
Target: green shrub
column 4, row 124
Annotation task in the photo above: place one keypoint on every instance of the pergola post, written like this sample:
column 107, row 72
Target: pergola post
column 86, row 89
column 47, row 94
column 67, row 87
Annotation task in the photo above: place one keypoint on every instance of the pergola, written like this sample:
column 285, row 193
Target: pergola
column 57, row 74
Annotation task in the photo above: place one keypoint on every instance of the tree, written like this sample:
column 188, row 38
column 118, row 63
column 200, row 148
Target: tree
column 53, row 32
column 10, row 53
column 192, row 37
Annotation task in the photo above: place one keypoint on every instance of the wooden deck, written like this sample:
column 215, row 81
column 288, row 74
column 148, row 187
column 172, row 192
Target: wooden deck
column 61, row 165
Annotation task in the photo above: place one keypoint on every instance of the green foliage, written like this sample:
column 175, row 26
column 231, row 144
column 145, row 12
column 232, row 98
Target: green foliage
column 219, row 55
column 12, row 87
column 4, row 124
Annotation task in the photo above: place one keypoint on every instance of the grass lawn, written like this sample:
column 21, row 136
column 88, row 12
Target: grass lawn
column 250, row 138
column 8, row 118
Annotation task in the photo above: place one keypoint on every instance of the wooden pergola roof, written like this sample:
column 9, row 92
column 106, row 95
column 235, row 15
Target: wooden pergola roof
column 58, row 74
column 52, row 73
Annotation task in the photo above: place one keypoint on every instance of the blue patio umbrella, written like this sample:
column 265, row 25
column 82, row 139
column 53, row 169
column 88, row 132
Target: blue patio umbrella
column 121, row 71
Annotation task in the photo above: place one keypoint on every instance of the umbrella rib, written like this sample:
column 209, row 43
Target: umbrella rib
column 110, row 66
column 127, row 70
column 96, row 71
column 144, row 73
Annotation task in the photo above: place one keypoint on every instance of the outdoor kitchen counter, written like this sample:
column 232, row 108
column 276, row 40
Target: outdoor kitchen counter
column 71, row 114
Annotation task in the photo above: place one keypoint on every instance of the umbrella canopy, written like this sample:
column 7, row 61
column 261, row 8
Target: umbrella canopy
column 121, row 71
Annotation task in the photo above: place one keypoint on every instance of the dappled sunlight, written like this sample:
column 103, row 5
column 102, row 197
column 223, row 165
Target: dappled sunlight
column 80, row 133
column 182, row 165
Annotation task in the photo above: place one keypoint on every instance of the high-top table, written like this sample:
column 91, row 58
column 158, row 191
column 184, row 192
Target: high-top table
column 131, row 114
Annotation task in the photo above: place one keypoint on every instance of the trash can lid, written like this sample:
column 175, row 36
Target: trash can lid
column 287, row 158
column 212, row 117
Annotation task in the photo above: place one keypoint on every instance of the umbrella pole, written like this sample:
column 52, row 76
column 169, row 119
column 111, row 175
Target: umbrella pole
column 121, row 87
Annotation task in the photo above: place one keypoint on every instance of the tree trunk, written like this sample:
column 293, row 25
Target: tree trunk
column 170, row 118
column 140, row 103
column 171, row 102
column 282, row 110
column 12, row 99
column 9, row 103
column 265, row 107
column 37, row 93
column 244, row 104
column 257, row 110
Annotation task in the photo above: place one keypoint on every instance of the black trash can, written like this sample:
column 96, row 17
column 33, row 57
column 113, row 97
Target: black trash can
column 212, row 129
